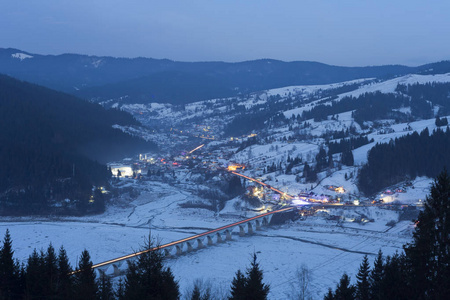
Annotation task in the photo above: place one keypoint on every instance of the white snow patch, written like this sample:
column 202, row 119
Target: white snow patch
column 21, row 56
column 97, row 63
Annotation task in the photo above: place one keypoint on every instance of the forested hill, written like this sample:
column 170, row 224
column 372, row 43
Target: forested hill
column 50, row 142
column 146, row 80
column 409, row 156
column 183, row 84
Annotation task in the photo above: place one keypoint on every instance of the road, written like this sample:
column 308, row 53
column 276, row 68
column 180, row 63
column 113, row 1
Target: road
column 263, row 184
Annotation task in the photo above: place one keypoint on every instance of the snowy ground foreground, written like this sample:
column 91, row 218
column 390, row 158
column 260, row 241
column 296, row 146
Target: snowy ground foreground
column 326, row 248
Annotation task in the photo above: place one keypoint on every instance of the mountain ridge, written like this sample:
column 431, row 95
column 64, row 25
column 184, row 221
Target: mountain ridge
column 104, row 77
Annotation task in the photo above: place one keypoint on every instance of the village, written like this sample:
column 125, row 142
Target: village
column 201, row 167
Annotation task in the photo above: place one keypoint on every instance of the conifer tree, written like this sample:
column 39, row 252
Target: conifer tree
column 394, row 279
column 344, row 290
column 201, row 291
column 321, row 159
column 85, row 287
column 330, row 161
column 441, row 122
column 376, row 277
column 10, row 285
column 147, row 278
column 105, row 289
column 329, row 295
column 64, row 285
column 207, row 294
column 347, row 158
column 309, row 173
column 120, row 291
column 196, row 293
column 362, row 284
column 35, row 282
column 255, row 288
column 429, row 253
column 50, row 273
column 238, row 287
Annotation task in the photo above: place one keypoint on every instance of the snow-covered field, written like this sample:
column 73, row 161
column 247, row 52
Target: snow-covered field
column 325, row 247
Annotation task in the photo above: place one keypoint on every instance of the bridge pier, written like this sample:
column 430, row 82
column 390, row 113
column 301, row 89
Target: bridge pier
column 219, row 238
column 250, row 228
column 179, row 249
column 189, row 247
column 167, row 252
column 210, row 240
column 200, row 244
column 228, row 234
column 117, row 271
column 101, row 272
column 258, row 225
column 241, row 230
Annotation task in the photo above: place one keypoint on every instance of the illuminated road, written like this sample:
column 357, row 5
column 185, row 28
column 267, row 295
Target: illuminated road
column 264, row 184
column 192, row 238
column 196, row 148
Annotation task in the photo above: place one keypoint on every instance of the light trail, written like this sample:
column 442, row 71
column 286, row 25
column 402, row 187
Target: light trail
column 196, row 148
column 191, row 238
column 264, row 184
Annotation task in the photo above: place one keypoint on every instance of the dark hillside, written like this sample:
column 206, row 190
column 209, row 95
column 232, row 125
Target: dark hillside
column 190, row 82
column 45, row 136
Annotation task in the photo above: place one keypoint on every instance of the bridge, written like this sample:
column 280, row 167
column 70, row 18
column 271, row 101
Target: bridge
column 198, row 241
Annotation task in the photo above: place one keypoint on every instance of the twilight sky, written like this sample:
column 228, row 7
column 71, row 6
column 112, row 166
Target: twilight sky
column 338, row 32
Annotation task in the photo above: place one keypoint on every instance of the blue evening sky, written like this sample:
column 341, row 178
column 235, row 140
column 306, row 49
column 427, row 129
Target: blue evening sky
column 338, row 32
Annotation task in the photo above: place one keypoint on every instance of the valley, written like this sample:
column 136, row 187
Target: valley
column 184, row 189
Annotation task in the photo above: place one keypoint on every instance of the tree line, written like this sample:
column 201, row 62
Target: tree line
column 49, row 275
column 366, row 107
column 435, row 92
column 421, row 270
column 406, row 157
column 347, row 144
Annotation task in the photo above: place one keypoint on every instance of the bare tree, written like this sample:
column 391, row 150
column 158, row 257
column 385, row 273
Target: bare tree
column 300, row 286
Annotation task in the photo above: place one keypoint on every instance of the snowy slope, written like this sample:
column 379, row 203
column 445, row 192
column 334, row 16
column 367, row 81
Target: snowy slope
column 389, row 86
